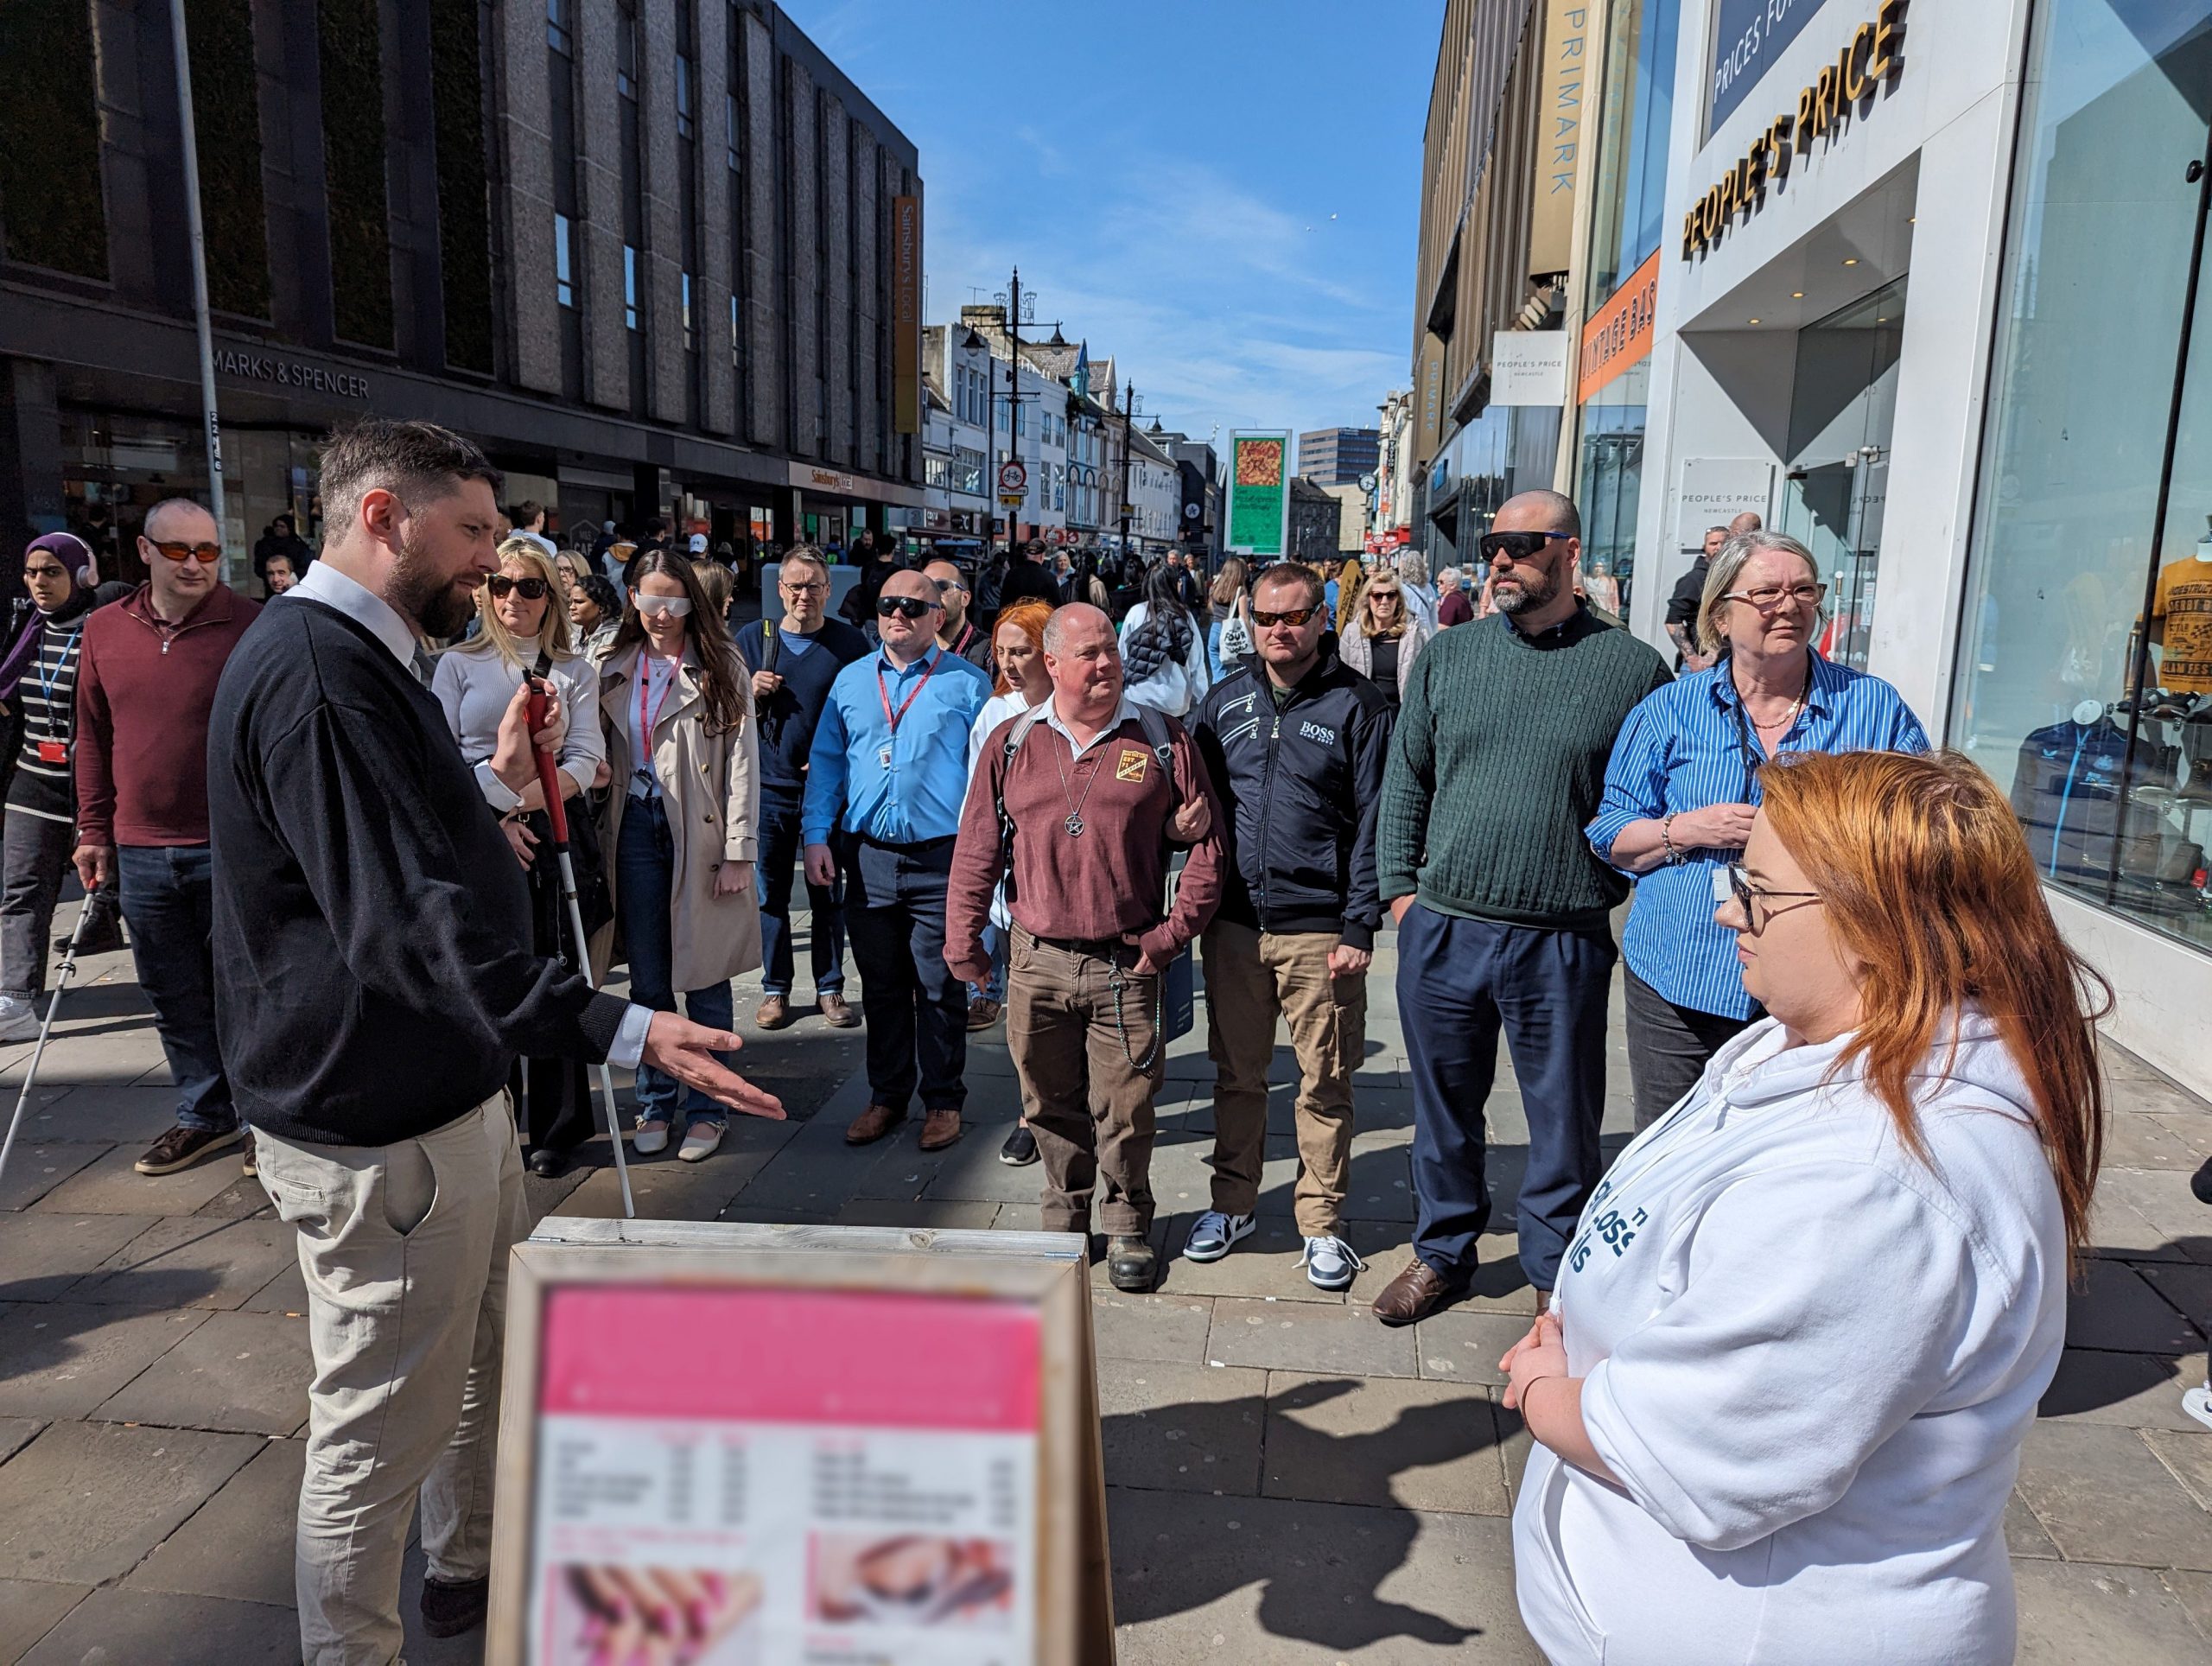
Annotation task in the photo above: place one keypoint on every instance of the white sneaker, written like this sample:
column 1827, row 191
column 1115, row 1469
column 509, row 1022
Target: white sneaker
column 2197, row 1403
column 1330, row 1263
column 699, row 1141
column 18, row 1019
column 649, row 1139
column 1213, row 1234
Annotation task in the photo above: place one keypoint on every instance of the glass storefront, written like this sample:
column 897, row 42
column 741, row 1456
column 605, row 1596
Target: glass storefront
column 2084, row 676
column 1612, row 480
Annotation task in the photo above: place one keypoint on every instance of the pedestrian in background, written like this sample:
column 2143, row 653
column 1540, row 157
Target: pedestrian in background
column 1091, row 792
column 528, row 521
column 957, row 632
column 1503, row 910
column 1027, row 575
column 1453, row 607
column 1023, row 682
column 146, row 676
column 524, row 633
column 1808, row 1319
column 876, row 565
column 1296, row 744
column 683, row 751
column 1382, row 638
column 1227, row 604
column 1420, row 594
column 1162, row 652
column 793, row 660
column 1683, row 788
column 885, row 780
column 716, row 584
column 283, row 538
column 1685, row 602
column 594, row 615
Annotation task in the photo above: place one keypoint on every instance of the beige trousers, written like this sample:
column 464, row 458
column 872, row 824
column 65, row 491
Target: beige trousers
column 405, row 1251
column 1252, row 976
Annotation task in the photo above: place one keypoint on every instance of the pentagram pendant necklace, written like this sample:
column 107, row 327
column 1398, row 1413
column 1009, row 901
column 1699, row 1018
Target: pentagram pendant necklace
column 1074, row 822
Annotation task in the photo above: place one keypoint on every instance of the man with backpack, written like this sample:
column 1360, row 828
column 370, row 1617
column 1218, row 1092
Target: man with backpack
column 1075, row 803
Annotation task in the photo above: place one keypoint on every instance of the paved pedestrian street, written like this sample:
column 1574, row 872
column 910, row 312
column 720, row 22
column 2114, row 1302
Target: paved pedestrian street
column 1289, row 1480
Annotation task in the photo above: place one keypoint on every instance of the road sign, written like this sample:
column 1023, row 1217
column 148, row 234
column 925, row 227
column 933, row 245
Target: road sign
column 1013, row 499
column 1013, row 479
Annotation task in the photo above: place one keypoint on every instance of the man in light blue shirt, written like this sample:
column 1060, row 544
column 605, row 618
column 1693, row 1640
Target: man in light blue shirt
column 885, row 785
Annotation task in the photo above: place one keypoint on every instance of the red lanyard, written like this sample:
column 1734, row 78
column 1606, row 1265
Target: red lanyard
column 891, row 717
column 646, row 720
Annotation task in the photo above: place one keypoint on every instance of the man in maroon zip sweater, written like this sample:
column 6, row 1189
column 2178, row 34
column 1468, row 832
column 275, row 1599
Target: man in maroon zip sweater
column 146, row 679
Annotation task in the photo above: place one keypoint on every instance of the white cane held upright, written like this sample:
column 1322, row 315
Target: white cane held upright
column 46, row 1025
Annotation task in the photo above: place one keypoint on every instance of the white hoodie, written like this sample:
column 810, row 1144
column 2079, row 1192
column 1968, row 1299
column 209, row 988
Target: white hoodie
column 1810, row 1358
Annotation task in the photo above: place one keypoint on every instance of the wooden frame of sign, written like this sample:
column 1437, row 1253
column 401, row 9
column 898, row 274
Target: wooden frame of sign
column 1050, row 1271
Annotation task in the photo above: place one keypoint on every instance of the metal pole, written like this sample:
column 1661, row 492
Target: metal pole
column 45, row 1027
column 1129, row 413
column 1013, row 384
column 190, row 140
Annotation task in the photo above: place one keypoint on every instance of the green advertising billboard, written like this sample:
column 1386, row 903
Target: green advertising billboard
column 1259, row 492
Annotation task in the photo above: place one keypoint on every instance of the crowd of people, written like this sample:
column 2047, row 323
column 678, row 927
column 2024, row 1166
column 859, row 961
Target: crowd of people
column 1037, row 797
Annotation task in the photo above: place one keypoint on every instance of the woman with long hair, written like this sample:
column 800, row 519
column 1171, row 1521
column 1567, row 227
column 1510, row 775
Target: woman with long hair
column 683, row 751
column 1163, row 653
column 1230, row 618
column 1383, row 636
column 573, row 566
column 1804, row 1324
column 595, row 613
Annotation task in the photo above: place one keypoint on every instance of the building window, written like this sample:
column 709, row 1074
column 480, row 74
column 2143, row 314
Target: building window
column 729, row 122
column 625, row 55
column 629, row 286
column 683, row 97
column 559, row 23
column 564, row 260
column 736, row 332
column 690, row 333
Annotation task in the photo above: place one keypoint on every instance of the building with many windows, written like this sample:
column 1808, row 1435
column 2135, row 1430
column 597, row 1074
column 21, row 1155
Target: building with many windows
column 1337, row 456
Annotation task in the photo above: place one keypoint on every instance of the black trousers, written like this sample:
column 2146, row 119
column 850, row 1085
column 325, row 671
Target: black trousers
column 1668, row 1047
column 916, row 1010
column 552, row 1095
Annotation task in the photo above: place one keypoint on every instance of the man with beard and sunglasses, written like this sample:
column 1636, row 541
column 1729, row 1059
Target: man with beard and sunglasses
column 375, row 984
column 884, row 784
column 1496, row 766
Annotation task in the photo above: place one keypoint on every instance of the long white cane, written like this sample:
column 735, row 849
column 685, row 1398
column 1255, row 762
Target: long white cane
column 53, row 1001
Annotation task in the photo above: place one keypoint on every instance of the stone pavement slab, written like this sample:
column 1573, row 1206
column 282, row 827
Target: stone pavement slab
column 16, row 1434
column 1383, row 1441
column 1305, row 1336
column 2076, row 1612
column 2133, row 1390
column 238, row 1544
column 42, row 1256
column 1171, row 1330
column 2189, row 1458
column 2193, row 1593
column 84, row 1501
column 2113, row 1307
column 36, row 1166
column 244, row 1372
column 109, row 1186
column 1464, row 1345
column 60, row 1359
column 2102, row 1495
column 28, row 1610
column 135, row 1116
column 233, row 1258
column 1182, row 1428
column 121, row 1625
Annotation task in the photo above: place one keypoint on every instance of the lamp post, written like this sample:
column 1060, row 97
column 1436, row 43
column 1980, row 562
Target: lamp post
column 196, row 234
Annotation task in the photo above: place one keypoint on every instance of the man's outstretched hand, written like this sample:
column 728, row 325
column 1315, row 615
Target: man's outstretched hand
column 676, row 1046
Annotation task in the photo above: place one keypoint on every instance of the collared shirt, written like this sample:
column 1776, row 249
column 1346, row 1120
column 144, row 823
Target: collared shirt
column 1122, row 713
column 1684, row 748
column 895, row 786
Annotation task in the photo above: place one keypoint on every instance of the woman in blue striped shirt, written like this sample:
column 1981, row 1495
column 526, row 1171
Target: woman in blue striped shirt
column 1683, row 784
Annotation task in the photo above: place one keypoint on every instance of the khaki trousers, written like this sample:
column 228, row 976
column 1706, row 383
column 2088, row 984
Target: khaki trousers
column 1090, row 1107
column 405, row 1251
column 1251, row 977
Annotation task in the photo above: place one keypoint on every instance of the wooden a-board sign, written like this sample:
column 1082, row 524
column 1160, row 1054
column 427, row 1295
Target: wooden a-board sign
column 742, row 1445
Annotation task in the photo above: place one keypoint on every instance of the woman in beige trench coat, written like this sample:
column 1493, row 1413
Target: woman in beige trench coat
column 682, row 754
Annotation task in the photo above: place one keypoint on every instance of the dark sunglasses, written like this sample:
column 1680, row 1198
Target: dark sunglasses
column 1263, row 617
column 1519, row 546
column 500, row 586
column 206, row 554
column 910, row 606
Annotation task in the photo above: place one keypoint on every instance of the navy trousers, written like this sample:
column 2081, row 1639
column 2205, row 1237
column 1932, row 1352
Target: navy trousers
column 1459, row 983
column 779, row 850
column 916, row 1010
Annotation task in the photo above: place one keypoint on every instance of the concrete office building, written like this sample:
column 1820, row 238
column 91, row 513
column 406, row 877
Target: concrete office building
column 1337, row 456
column 649, row 255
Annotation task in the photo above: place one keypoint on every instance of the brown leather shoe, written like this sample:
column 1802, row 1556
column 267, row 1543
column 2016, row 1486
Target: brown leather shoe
column 836, row 1013
column 982, row 1013
column 939, row 1129
column 1412, row 1295
column 775, row 1012
column 873, row 1124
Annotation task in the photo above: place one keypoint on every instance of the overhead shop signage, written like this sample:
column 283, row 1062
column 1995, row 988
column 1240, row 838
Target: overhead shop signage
column 1748, row 35
column 1551, row 215
column 1527, row 367
column 290, row 373
column 1825, row 106
column 1618, row 335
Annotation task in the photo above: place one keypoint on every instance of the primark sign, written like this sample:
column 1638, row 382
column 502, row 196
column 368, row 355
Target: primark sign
column 1748, row 35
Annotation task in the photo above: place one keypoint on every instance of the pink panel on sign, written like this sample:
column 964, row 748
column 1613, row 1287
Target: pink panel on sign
column 787, row 1356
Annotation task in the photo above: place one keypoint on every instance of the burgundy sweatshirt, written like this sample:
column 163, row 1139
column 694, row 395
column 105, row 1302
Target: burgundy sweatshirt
column 143, row 690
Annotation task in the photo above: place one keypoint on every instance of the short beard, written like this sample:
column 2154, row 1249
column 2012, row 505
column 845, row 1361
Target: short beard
column 425, row 597
column 1531, row 594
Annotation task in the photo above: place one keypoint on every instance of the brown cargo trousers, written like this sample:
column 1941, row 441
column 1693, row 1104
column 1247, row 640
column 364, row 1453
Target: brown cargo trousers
column 1089, row 1106
column 1251, row 977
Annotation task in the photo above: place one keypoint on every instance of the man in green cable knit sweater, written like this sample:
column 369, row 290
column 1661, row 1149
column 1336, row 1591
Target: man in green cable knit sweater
column 1497, row 767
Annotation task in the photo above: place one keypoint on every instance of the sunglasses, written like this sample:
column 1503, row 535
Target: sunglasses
column 905, row 607
column 206, row 554
column 1517, row 546
column 1264, row 619
column 501, row 586
column 674, row 607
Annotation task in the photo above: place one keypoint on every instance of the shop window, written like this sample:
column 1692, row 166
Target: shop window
column 2083, row 680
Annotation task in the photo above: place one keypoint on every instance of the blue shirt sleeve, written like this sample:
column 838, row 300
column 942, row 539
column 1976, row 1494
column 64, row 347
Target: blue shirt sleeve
column 1905, row 733
column 825, row 775
column 1636, row 776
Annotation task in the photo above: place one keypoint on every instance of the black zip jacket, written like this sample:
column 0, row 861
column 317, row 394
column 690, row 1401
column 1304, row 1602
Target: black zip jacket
column 1302, row 783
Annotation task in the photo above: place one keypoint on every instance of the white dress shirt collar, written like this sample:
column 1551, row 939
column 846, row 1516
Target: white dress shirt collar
column 326, row 584
column 1126, row 710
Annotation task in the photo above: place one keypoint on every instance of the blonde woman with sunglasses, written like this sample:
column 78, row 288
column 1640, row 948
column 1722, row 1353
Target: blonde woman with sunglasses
column 1383, row 636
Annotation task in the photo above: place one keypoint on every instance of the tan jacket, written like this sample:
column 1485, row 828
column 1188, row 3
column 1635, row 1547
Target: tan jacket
column 712, row 788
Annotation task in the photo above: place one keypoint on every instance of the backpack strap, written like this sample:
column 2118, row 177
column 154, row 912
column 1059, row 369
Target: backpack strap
column 771, row 645
column 1014, row 737
column 1154, row 725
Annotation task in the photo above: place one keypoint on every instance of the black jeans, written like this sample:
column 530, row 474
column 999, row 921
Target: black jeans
column 553, row 1096
column 34, row 867
column 779, row 807
column 1668, row 1047
column 916, row 1010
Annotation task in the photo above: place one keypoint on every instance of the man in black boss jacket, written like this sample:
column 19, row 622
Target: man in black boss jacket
column 1297, row 743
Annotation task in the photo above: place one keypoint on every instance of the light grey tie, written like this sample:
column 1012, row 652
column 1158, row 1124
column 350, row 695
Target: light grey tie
column 421, row 662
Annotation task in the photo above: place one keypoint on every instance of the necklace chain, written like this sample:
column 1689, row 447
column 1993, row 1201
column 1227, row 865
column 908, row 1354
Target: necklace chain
column 1074, row 822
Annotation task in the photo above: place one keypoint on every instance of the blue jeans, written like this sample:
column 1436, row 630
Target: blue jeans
column 1213, row 649
column 772, row 880
column 168, row 894
column 996, row 945
column 645, row 877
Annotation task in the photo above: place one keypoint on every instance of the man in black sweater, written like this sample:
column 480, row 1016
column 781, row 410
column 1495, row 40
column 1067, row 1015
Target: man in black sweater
column 374, row 984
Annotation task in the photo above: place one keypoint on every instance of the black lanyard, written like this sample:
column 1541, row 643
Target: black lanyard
column 1751, row 757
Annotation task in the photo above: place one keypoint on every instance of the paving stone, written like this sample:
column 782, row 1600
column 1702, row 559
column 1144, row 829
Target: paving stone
column 2162, row 1198
column 240, row 1544
column 2102, row 1495
column 2193, row 1593
column 1209, row 1579
column 285, row 1294
column 2114, row 1308
column 2023, row 1534
column 232, row 1259
column 940, row 1213
column 42, row 1256
column 242, row 1199
column 84, row 1501
column 2134, row 1139
column 109, row 1186
column 2134, row 1391
column 2073, row 1612
column 16, row 1434
column 1168, row 1330
column 143, row 1625
column 2118, row 1232
column 1182, row 1428
column 1464, row 1345
column 36, row 1166
column 1383, row 1441
column 1305, row 1336
column 28, row 1610
column 133, row 1115
column 62, row 1358
column 2188, row 1289
column 247, row 1372
column 665, row 1187
column 2189, row 1458
column 1513, row 1441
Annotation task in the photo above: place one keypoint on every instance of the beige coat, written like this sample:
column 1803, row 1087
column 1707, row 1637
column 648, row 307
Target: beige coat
column 712, row 785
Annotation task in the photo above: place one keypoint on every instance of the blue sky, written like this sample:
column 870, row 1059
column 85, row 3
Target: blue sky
column 1224, row 193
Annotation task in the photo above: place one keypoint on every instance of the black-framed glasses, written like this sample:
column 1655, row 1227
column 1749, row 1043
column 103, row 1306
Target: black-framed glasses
column 1770, row 597
column 905, row 607
column 1731, row 882
column 1517, row 546
column 502, row 586
column 1264, row 619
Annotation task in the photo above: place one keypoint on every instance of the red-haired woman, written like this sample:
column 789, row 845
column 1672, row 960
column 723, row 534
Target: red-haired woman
column 1803, row 1328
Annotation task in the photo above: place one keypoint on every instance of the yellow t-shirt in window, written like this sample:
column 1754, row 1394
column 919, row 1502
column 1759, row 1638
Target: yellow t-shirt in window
column 2184, row 606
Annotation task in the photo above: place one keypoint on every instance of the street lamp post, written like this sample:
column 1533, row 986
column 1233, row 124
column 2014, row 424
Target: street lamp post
column 1128, row 411
column 197, row 236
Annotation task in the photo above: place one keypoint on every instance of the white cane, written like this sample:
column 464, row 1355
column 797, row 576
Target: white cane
column 53, row 1001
